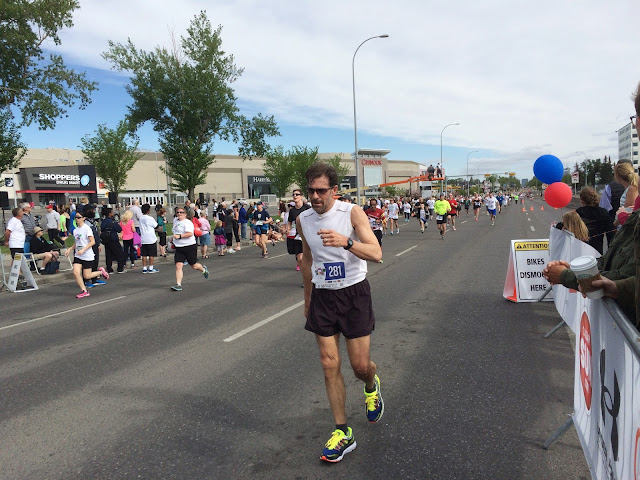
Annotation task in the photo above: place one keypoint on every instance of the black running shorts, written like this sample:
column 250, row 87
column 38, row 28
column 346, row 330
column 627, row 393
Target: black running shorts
column 348, row 311
column 86, row 264
column 378, row 234
column 149, row 250
column 188, row 253
column 294, row 246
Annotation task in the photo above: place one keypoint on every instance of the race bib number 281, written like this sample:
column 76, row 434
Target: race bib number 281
column 334, row 271
column 329, row 274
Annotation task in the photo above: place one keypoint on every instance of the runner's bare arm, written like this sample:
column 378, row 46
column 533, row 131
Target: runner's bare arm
column 305, row 266
column 366, row 247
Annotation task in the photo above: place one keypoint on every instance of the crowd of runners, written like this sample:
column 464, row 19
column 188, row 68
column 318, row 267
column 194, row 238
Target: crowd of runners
column 141, row 232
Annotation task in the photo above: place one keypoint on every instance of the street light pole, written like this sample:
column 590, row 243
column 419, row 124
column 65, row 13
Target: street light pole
column 355, row 123
column 474, row 151
column 441, row 164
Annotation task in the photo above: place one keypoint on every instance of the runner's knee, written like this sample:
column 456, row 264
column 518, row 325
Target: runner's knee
column 330, row 363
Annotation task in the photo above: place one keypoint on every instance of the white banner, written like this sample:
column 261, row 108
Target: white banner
column 564, row 246
column 606, row 381
column 606, row 395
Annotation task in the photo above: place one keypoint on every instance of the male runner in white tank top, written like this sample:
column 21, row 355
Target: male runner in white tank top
column 336, row 242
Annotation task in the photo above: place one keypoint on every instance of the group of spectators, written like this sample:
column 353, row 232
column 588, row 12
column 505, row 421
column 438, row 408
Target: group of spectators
column 616, row 216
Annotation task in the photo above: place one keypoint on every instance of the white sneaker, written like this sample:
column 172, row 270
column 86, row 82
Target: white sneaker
column 231, row 250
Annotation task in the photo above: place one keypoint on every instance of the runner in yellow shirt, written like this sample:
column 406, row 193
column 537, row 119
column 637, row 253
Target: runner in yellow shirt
column 442, row 208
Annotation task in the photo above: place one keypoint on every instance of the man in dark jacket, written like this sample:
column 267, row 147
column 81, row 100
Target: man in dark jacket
column 112, row 248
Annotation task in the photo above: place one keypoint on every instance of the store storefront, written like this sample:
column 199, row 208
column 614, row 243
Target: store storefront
column 41, row 185
column 259, row 185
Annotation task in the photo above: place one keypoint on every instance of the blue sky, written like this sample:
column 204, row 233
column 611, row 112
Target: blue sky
column 523, row 79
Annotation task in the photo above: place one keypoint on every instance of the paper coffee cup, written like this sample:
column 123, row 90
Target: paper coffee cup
column 586, row 271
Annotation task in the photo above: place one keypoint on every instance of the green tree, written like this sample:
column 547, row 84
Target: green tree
column 279, row 169
column 111, row 154
column 391, row 190
column 11, row 148
column 303, row 157
column 336, row 162
column 606, row 172
column 186, row 94
column 42, row 88
column 35, row 88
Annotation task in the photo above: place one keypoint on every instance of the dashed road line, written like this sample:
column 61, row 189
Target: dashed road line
column 263, row 322
column 405, row 251
column 281, row 255
column 532, row 229
column 61, row 313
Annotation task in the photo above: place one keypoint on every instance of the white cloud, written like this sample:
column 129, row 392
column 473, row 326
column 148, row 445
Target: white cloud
column 522, row 78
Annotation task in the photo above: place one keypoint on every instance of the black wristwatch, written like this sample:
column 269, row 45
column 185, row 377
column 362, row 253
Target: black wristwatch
column 349, row 244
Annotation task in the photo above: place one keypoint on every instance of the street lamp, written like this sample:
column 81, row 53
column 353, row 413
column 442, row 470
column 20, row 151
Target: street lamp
column 474, row 151
column 441, row 165
column 355, row 123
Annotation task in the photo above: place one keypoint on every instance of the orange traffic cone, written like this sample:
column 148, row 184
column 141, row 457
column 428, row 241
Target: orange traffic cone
column 532, row 209
column 541, row 207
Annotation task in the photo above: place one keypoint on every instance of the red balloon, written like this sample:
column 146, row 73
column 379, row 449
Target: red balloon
column 558, row 194
column 197, row 232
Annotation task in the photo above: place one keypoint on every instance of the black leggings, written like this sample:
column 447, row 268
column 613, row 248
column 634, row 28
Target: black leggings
column 407, row 215
column 129, row 251
column 53, row 236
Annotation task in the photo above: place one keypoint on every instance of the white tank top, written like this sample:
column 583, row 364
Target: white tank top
column 333, row 267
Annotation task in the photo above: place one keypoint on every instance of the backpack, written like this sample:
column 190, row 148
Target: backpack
column 52, row 267
column 96, row 234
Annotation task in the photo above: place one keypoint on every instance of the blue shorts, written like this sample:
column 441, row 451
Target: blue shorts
column 492, row 212
column 205, row 239
column 262, row 229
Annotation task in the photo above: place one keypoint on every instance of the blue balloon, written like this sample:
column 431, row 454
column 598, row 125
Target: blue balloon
column 548, row 169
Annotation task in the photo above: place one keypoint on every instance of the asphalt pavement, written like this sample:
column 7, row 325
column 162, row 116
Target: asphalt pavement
column 222, row 381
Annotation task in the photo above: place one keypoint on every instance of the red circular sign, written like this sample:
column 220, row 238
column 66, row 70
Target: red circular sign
column 636, row 461
column 585, row 359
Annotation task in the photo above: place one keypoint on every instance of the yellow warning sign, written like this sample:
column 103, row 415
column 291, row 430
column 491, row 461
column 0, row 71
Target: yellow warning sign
column 522, row 246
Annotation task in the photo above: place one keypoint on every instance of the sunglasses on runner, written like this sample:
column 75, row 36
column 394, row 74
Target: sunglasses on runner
column 319, row 191
column 297, row 194
column 181, row 211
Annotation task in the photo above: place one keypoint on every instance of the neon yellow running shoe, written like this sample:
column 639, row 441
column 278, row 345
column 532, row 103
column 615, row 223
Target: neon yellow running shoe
column 338, row 445
column 374, row 403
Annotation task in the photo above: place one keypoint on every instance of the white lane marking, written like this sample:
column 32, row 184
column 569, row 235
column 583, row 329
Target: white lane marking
column 407, row 250
column 62, row 313
column 263, row 322
column 281, row 255
column 529, row 219
column 532, row 229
